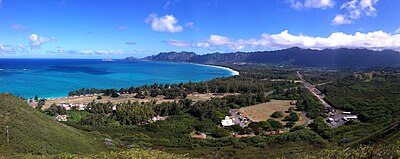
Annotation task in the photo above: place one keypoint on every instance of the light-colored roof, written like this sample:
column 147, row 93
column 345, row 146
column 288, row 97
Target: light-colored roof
column 228, row 122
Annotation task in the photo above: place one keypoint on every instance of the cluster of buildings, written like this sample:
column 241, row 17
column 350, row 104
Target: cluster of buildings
column 61, row 118
column 77, row 106
column 228, row 121
column 158, row 118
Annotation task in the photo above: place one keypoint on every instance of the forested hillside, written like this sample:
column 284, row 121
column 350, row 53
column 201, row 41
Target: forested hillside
column 334, row 58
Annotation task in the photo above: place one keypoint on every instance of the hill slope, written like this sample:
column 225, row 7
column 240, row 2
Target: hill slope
column 34, row 133
column 336, row 58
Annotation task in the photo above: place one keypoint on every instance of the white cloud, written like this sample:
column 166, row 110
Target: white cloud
column 36, row 41
column 356, row 9
column 122, row 27
column 167, row 23
column 340, row 19
column 60, row 50
column 179, row 43
column 13, row 49
column 301, row 4
column 377, row 40
column 219, row 40
column 19, row 27
column 189, row 25
column 103, row 52
column 130, row 43
column 397, row 31
column 170, row 3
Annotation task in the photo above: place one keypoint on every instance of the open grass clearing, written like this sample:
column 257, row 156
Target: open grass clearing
column 263, row 111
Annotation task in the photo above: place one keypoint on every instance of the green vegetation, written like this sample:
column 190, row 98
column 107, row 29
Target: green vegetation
column 253, row 79
column 277, row 114
column 373, row 97
column 132, row 153
column 55, row 110
column 377, row 151
column 32, row 132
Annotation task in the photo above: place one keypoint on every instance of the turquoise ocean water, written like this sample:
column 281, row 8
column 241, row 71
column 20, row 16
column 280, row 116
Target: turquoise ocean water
column 56, row 77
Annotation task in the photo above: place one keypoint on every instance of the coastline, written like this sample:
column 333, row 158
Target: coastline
column 233, row 72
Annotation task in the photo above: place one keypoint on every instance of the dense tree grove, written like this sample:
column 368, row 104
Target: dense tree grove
column 251, row 80
column 371, row 95
column 55, row 110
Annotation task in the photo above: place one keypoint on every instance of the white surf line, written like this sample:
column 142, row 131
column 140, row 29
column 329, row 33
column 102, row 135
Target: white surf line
column 233, row 72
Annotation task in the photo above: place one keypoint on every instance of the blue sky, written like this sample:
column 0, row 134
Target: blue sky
column 121, row 28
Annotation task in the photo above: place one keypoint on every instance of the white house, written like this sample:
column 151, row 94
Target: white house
column 61, row 117
column 227, row 122
column 348, row 118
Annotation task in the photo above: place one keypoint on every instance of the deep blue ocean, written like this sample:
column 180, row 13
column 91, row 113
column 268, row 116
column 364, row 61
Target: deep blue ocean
column 56, row 77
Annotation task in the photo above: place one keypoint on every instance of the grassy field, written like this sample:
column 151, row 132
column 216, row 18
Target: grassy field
column 263, row 111
column 127, row 154
column 34, row 133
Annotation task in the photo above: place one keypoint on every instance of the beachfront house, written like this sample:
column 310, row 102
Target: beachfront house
column 227, row 121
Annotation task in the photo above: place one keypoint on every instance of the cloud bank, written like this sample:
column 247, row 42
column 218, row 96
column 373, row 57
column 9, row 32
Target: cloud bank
column 167, row 23
column 20, row 28
column 304, row 4
column 354, row 10
column 377, row 40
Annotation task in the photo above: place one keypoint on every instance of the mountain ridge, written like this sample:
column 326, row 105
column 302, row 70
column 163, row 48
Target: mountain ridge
column 295, row 56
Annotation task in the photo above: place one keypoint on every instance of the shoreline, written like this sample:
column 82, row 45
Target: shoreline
column 232, row 72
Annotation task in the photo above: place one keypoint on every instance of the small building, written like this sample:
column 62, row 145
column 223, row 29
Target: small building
column 227, row 121
column 158, row 118
column 348, row 118
column 274, row 132
column 199, row 136
column 347, row 113
column 244, row 135
column 61, row 117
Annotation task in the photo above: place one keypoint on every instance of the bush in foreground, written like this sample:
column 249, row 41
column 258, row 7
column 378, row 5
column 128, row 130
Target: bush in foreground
column 132, row 153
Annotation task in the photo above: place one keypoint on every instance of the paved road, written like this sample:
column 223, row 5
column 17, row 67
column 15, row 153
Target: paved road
column 338, row 121
column 236, row 119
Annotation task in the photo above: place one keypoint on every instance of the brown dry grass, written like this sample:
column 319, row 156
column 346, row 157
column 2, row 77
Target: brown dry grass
column 263, row 111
